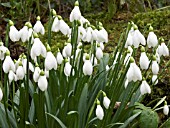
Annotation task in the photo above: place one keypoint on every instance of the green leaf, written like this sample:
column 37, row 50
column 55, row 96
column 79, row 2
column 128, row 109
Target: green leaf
column 148, row 119
column 129, row 120
column 166, row 124
column 114, row 124
column 160, row 102
column 57, row 119
column 31, row 112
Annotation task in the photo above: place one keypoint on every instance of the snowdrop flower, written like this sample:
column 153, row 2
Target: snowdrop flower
column 138, row 38
column 24, row 33
column 13, row 32
column 106, row 101
column 63, row 27
column 36, row 73
column 99, row 111
column 102, row 46
column 24, row 63
column 1, row 94
column 38, row 27
column 68, row 49
column 37, row 49
column 152, row 39
column 11, row 76
column 75, row 13
column 20, row 72
column 55, row 25
column 88, row 36
column 87, row 67
column 59, row 57
column 3, row 49
column 145, row 88
column 81, row 33
column 144, row 61
column 133, row 73
column 50, row 60
column 67, row 68
column 155, row 66
column 154, row 79
column 99, row 53
column 42, row 81
column 163, row 50
column 129, row 40
column 102, row 35
column 107, row 67
column 8, row 63
column 166, row 109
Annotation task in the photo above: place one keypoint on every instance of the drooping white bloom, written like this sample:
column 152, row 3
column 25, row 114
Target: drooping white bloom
column 152, row 40
column 20, row 73
column 8, row 64
column 24, row 34
column 11, row 76
column 14, row 34
column 134, row 73
column 145, row 88
column 106, row 102
column 99, row 112
column 102, row 46
column 155, row 67
column 64, row 28
column 3, row 50
column 36, row 74
column 81, row 33
column 50, row 61
column 144, row 61
column 102, row 35
column 24, row 63
column 99, row 53
column 163, row 50
column 1, row 94
column 75, row 13
column 129, row 40
column 59, row 58
column 55, row 25
column 68, row 49
column 67, row 69
column 154, row 79
column 37, row 49
column 94, row 34
column 87, row 68
column 38, row 27
column 42, row 82
column 138, row 38
column 88, row 36
column 166, row 110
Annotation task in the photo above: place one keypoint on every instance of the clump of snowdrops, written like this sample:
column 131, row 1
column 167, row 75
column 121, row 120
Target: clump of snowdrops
column 72, row 88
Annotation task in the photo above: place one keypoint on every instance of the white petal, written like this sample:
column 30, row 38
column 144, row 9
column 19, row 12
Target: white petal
column 106, row 102
column 39, row 28
column 144, row 61
column 75, row 14
column 152, row 40
column 68, row 49
column 14, row 34
column 99, row 112
column 42, row 83
column 64, row 28
column 50, row 62
column 24, row 34
column 99, row 53
column 155, row 68
column 20, row 73
column 36, row 74
column 1, row 94
column 8, row 64
column 87, row 68
column 55, row 25
column 145, row 88
column 59, row 58
column 154, row 79
column 67, row 69
column 166, row 109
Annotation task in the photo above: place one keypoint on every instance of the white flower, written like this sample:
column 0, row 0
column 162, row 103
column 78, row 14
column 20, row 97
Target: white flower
column 102, row 35
column 59, row 58
column 24, row 34
column 36, row 74
column 106, row 102
column 64, row 28
column 75, row 14
column 81, row 33
column 67, row 69
column 138, row 38
column 155, row 67
column 20, row 73
column 14, row 34
column 145, row 88
column 1, row 94
column 42, row 82
column 8, row 65
column 129, row 40
column 134, row 73
column 126, row 83
column 163, row 50
column 144, row 61
column 50, row 62
column 3, row 49
column 99, row 53
column 87, row 68
column 68, row 49
column 37, row 49
column 38, row 27
column 55, row 25
column 46, row 73
column 99, row 112
column 11, row 76
column 154, row 79
column 107, row 67
column 88, row 36
column 102, row 46
column 166, row 110
column 152, row 40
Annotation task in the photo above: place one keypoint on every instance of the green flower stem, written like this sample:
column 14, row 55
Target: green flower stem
column 7, row 36
column 50, row 22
